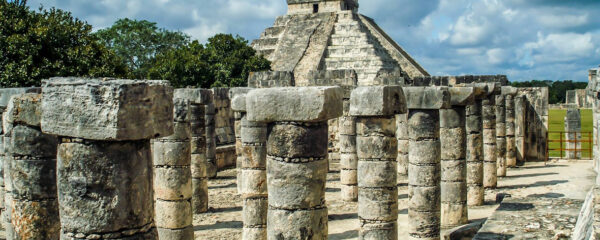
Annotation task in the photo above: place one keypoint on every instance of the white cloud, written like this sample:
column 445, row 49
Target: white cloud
column 562, row 47
column 563, row 21
column 497, row 55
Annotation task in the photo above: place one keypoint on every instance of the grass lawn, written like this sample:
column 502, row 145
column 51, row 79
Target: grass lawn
column 556, row 122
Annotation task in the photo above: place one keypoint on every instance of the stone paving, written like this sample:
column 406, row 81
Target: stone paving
column 569, row 180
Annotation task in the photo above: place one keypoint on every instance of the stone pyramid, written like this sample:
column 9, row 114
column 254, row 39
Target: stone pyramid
column 332, row 35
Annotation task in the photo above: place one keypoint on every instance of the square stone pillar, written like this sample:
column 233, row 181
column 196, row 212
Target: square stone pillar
column 424, row 104
column 104, row 164
column 453, row 138
column 375, row 109
column 31, row 171
column 520, row 106
column 296, row 156
column 573, row 133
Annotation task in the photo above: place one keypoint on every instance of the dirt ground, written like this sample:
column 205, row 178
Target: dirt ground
column 568, row 179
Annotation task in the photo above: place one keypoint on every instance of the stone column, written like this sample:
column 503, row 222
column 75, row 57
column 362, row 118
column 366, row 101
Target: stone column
column 104, row 165
column 211, row 141
column 573, row 132
column 500, row 136
column 511, row 146
column 5, row 95
column 475, row 192
column 31, row 162
column 172, row 177
column 253, row 165
column 402, row 136
column 520, row 127
column 454, row 211
column 348, row 157
column 239, row 114
column 296, row 156
column 424, row 159
column 375, row 109
column 490, row 177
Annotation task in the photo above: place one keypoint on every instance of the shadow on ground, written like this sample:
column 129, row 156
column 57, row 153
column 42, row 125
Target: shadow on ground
column 536, row 184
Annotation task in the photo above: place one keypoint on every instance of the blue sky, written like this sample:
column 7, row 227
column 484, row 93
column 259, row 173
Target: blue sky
column 524, row 39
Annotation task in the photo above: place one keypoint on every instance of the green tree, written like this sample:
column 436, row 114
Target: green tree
column 183, row 67
column 232, row 60
column 38, row 45
column 225, row 61
column 138, row 42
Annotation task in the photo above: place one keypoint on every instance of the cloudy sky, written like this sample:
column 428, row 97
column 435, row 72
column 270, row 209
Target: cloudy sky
column 524, row 39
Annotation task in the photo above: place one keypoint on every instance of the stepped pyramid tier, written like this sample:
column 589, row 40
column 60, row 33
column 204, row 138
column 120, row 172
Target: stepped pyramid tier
column 331, row 35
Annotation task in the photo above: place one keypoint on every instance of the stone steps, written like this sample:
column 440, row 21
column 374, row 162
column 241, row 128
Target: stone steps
column 273, row 32
column 350, row 26
column 353, row 63
column 265, row 43
column 350, row 40
column 359, row 51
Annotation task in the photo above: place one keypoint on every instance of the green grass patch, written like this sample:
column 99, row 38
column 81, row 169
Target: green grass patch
column 556, row 122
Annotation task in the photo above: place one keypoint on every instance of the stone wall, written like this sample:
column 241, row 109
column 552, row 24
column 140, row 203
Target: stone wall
column 579, row 98
column 534, row 124
column 224, row 128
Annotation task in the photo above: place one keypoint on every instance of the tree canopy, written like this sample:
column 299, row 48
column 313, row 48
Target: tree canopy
column 225, row 61
column 48, row 43
column 36, row 45
column 138, row 42
column 557, row 90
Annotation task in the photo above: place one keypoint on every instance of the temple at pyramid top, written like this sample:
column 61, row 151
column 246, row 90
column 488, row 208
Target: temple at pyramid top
column 317, row 35
column 315, row 6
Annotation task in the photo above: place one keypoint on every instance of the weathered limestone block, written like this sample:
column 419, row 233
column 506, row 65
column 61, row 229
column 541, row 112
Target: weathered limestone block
column 474, row 149
column 500, row 136
column 104, row 183
column 31, row 170
column 375, row 109
column 173, row 176
column 104, row 188
column 5, row 96
column 296, row 156
column 490, row 177
column 302, row 104
column 454, row 211
column 103, row 109
column 424, row 159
